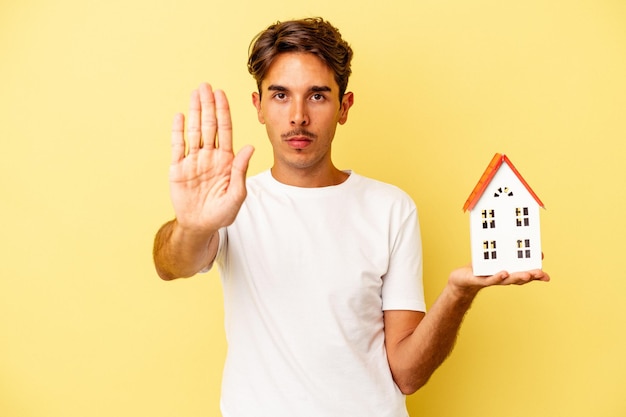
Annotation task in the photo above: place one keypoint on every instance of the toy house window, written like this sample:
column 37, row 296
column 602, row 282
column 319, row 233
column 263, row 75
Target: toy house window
column 521, row 217
column 489, row 249
column 504, row 191
column 523, row 249
column 489, row 219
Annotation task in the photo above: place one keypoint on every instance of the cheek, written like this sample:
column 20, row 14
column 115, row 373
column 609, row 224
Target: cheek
column 273, row 130
column 271, row 124
column 272, row 115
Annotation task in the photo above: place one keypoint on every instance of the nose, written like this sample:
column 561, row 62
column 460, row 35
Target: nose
column 299, row 114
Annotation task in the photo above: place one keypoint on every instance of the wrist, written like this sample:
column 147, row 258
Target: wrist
column 461, row 294
column 192, row 232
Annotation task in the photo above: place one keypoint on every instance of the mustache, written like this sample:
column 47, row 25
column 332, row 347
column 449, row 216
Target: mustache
column 299, row 132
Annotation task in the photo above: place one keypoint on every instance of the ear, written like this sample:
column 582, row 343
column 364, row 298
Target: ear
column 346, row 102
column 256, row 101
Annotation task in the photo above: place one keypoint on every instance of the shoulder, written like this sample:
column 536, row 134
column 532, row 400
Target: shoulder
column 258, row 179
column 376, row 190
column 259, row 183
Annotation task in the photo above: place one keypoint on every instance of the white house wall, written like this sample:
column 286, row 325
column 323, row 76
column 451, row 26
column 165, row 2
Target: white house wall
column 506, row 234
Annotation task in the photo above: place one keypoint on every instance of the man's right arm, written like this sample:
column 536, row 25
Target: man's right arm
column 181, row 254
column 207, row 186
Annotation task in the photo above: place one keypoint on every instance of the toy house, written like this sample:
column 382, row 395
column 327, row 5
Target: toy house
column 504, row 221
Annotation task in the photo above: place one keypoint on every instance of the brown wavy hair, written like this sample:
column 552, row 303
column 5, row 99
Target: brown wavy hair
column 311, row 35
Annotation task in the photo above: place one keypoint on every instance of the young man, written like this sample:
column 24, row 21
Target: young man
column 321, row 268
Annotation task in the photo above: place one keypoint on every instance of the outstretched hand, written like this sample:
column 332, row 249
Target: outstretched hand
column 464, row 282
column 207, row 181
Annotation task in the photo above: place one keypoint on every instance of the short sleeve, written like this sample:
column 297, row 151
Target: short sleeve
column 403, row 283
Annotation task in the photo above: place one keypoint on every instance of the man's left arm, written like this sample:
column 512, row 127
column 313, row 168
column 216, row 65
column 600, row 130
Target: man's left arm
column 417, row 343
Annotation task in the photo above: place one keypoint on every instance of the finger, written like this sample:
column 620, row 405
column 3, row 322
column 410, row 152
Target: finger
column 524, row 277
column 178, row 138
column 518, row 278
column 241, row 161
column 224, row 122
column 239, row 170
column 496, row 279
column 539, row 275
column 207, row 115
column 544, row 277
column 193, row 123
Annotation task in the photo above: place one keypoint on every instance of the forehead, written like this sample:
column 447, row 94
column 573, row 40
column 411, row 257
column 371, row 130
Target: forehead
column 295, row 70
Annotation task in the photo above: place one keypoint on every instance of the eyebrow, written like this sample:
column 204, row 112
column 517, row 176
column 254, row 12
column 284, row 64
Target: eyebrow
column 314, row 89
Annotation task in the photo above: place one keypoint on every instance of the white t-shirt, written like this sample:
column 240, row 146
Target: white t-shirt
column 307, row 273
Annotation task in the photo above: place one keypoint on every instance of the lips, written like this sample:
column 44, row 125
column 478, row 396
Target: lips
column 299, row 142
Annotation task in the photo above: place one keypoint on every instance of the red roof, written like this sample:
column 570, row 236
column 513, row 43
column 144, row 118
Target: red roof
column 488, row 175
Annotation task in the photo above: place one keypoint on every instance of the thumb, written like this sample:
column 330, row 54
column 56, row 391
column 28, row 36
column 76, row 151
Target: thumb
column 240, row 168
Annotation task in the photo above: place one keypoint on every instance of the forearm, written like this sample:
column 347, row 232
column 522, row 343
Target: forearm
column 416, row 357
column 179, row 253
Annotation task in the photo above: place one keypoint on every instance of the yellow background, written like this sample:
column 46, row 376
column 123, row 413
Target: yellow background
column 87, row 94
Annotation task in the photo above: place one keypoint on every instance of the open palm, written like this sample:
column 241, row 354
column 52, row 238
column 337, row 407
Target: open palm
column 207, row 181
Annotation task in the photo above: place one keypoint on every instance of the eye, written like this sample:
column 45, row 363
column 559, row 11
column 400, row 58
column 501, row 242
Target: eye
column 280, row 96
column 317, row 97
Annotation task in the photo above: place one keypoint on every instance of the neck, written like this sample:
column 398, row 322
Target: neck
column 310, row 179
